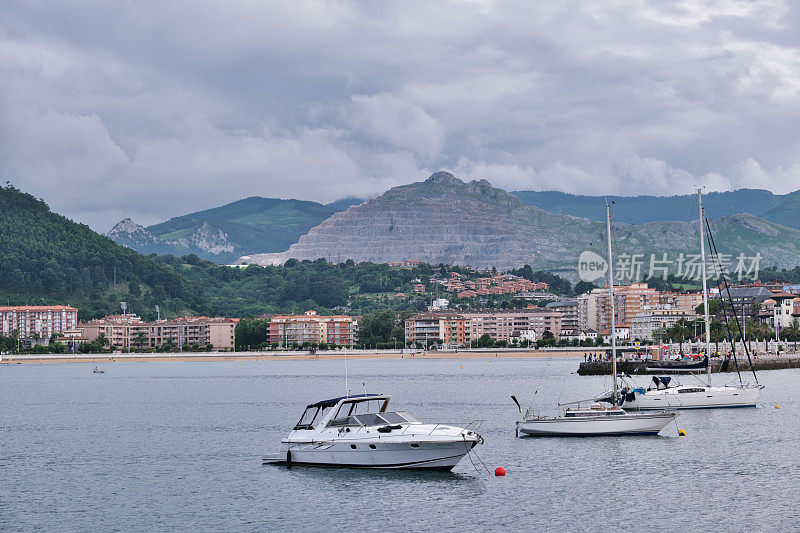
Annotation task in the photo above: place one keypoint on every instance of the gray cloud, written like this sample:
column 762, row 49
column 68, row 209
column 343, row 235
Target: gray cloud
column 152, row 110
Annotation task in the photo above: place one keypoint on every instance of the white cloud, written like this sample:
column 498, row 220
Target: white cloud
column 405, row 125
column 154, row 110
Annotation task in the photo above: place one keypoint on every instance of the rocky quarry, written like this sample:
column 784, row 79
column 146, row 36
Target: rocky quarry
column 446, row 220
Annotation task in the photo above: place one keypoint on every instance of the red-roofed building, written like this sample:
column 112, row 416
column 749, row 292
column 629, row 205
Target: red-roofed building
column 783, row 309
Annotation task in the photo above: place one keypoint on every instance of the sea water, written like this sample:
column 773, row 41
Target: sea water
column 177, row 446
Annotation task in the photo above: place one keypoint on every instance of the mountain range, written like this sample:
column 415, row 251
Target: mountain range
column 225, row 233
column 779, row 208
column 444, row 219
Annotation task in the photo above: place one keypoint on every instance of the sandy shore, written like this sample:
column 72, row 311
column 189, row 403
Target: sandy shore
column 266, row 356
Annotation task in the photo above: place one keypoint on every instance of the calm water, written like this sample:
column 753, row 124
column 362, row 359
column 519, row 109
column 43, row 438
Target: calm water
column 177, row 446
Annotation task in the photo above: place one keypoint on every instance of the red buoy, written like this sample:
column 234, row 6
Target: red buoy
column 499, row 471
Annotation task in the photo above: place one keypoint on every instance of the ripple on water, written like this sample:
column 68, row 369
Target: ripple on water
column 158, row 446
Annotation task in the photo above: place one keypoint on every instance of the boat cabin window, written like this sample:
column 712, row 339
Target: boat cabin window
column 681, row 391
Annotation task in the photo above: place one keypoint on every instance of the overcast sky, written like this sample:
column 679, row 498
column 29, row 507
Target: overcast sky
column 155, row 109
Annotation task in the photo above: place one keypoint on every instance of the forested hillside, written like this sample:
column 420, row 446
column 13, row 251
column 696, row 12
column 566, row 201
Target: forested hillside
column 47, row 258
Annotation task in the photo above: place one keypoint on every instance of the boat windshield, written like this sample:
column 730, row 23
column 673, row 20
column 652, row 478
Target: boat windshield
column 310, row 415
column 362, row 407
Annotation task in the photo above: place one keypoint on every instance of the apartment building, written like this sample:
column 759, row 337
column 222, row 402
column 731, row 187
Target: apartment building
column 450, row 327
column 682, row 301
column 569, row 313
column 630, row 300
column 587, row 310
column 218, row 332
column 747, row 299
column 119, row 330
column 505, row 324
column 459, row 329
column 42, row 321
column 594, row 308
column 647, row 324
column 129, row 331
column 295, row 330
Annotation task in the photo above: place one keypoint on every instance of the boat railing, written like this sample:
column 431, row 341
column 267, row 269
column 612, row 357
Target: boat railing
column 470, row 425
column 531, row 413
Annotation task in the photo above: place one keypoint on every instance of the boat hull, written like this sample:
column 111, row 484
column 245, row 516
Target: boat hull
column 708, row 398
column 629, row 424
column 437, row 455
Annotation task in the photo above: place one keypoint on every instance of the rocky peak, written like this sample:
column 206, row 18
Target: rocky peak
column 209, row 239
column 444, row 178
column 126, row 225
column 129, row 233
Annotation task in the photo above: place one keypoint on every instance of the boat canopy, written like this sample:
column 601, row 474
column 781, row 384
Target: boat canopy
column 333, row 401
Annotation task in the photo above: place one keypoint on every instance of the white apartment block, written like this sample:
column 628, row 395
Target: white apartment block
column 647, row 324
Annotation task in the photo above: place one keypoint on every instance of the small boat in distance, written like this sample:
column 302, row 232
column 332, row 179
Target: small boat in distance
column 98, row 371
column 599, row 419
column 359, row 432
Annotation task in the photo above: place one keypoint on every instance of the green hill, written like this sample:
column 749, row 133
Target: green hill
column 47, row 258
column 781, row 209
column 224, row 233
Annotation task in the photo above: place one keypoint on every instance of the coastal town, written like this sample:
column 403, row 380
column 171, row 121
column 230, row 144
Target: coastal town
column 462, row 266
column 538, row 319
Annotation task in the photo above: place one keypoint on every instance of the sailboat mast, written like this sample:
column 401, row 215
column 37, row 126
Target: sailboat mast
column 705, row 288
column 611, row 298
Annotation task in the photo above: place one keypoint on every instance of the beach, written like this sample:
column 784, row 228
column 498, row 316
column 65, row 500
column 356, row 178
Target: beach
column 292, row 356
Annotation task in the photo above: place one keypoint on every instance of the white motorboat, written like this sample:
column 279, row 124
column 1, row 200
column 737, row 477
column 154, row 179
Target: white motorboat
column 667, row 392
column 599, row 419
column 359, row 432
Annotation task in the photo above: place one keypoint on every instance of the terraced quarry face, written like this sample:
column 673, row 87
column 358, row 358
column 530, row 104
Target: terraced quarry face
column 444, row 219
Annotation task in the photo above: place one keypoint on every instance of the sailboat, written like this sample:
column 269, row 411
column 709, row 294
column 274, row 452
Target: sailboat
column 599, row 419
column 668, row 393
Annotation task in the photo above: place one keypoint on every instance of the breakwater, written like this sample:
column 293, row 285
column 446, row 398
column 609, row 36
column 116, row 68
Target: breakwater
column 602, row 368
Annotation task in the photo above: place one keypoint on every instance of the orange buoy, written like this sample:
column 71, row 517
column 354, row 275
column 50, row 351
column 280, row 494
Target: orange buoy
column 499, row 471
